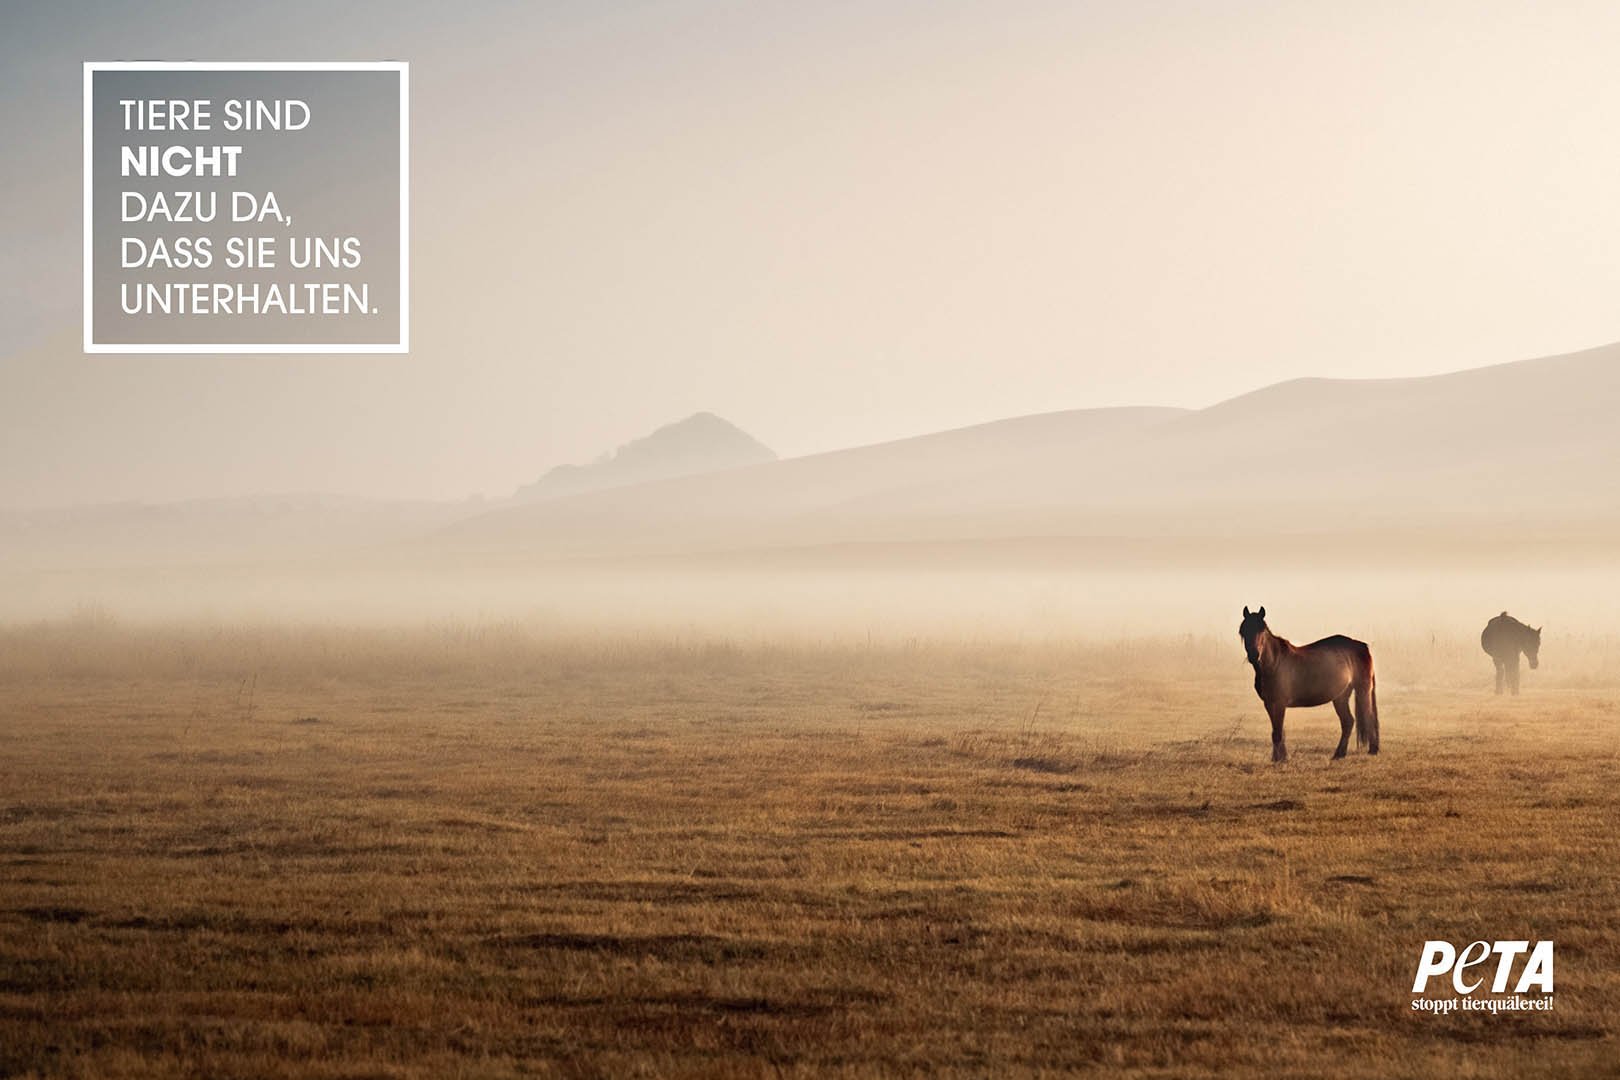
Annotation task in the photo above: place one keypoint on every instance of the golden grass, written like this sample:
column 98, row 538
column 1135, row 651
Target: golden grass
column 478, row 851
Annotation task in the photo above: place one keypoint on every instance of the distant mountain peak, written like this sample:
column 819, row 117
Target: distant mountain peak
column 703, row 442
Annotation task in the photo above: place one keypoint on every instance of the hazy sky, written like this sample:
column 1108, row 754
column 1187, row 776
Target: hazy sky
column 836, row 223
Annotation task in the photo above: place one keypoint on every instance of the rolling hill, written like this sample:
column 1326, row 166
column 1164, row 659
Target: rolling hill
column 1522, row 445
column 1516, row 454
column 701, row 443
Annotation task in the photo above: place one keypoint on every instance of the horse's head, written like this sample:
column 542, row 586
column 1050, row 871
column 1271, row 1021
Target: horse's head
column 1532, row 648
column 1250, row 629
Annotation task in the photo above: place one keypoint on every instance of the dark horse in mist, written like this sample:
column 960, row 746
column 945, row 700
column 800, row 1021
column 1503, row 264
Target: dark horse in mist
column 1505, row 638
column 1299, row 676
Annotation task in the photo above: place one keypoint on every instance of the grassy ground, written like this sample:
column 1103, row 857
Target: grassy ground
column 475, row 853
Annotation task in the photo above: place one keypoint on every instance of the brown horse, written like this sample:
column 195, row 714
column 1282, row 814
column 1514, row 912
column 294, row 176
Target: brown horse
column 1505, row 638
column 1288, row 675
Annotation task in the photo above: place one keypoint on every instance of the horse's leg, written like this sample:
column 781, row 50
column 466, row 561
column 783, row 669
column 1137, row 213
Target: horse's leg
column 1501, row 669
column 1341, row 705
column 1513, row 674
column 1279, row 751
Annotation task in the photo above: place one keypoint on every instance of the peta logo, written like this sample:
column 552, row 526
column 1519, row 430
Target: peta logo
column 1470, row 968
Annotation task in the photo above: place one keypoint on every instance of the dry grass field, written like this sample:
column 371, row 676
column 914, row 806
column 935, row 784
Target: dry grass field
column 476, row 851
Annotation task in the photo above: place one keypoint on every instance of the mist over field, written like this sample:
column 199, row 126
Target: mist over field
column 1405, row 507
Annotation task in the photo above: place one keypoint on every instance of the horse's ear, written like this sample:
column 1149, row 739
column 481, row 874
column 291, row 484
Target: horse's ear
column 1245, row 611
column 1538, row 631
column 1261, row 612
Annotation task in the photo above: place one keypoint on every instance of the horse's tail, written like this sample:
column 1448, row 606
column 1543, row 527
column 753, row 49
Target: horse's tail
column 1367, row 706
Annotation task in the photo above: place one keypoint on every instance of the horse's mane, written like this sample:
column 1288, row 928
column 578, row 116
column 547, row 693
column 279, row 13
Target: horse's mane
column 1274, row 636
